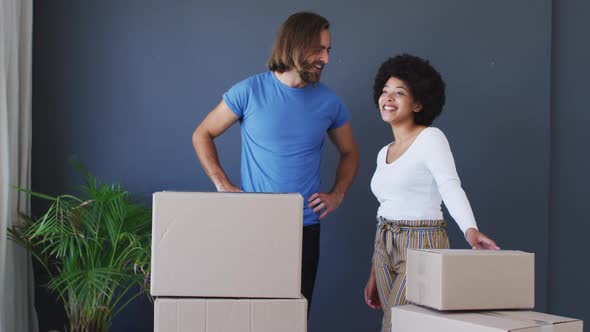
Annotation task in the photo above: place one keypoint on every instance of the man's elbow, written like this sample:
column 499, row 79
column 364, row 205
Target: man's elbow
column 352, row 155
column 200, row 135
column 352, row 152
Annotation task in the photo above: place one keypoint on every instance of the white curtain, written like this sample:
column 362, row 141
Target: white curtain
column 17, row 312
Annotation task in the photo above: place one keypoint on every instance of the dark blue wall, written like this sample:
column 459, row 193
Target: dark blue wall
column 123, row 84
column 569, row 263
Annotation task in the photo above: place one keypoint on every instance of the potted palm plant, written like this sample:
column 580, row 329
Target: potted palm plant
column 95, row 249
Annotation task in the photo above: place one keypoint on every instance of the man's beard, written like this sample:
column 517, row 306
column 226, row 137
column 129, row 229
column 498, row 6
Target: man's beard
column 309, row 74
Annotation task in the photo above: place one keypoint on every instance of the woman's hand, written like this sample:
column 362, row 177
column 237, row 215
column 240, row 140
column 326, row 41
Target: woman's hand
column 371, row 293
column 478, row 240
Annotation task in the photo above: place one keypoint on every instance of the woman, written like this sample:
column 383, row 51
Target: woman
column 414, row 175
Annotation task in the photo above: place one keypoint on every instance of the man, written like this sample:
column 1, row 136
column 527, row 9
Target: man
column 284, row 114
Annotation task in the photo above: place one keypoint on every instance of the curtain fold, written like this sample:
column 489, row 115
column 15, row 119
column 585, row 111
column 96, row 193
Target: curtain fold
column 17, row 311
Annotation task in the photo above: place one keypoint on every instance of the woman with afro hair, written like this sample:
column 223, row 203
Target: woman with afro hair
column 414, row 174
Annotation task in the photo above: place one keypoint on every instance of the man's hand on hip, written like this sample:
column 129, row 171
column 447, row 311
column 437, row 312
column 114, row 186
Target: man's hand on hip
column 327, row 202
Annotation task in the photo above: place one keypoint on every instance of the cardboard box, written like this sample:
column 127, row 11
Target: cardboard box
column 412, row 318
column 230, row 315
column 450, row 279
column 226, row 245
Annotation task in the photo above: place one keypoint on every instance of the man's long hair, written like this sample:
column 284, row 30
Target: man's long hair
column 298, row 37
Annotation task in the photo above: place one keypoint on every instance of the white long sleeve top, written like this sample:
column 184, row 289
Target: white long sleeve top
column 414, row 186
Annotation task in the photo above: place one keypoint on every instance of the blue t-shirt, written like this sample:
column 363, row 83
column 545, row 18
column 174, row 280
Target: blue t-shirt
column 283, row 131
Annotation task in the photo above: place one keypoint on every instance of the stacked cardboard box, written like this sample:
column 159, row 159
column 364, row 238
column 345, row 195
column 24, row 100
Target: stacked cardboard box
column 227, row 262
column 470, row 291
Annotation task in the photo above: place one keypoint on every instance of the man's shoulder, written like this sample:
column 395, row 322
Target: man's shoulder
column 246, row 85
column 257, row 78
column 252, row 82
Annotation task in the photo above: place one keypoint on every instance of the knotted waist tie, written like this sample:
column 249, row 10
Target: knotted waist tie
column 387, row 228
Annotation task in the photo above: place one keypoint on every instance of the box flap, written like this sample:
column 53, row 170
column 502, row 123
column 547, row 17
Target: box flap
column 506, row 320
column 468, row 252
column 532, row 317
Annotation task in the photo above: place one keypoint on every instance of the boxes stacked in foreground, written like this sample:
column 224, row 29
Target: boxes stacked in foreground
column 470, row 291
column 227, row 262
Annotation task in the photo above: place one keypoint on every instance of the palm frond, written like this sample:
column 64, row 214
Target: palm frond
column 95, row 248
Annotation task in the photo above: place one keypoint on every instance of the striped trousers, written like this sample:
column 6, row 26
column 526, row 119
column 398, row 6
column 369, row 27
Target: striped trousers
column 392, row 240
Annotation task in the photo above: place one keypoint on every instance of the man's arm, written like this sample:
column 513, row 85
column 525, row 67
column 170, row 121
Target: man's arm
column 215, row 124
column 349, row 159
